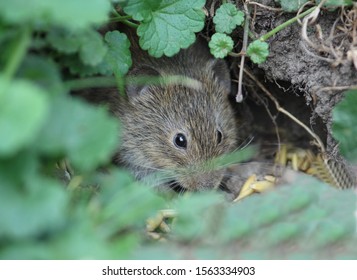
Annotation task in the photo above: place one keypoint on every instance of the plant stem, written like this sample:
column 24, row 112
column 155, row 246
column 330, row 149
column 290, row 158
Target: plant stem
column 18, row 53
column 120, row 18
column 94, row 82
column 239, row 96
column 124, row 19
column 129, row 23
column 285, row 24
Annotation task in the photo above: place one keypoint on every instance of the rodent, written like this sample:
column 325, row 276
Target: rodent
column 177, row 129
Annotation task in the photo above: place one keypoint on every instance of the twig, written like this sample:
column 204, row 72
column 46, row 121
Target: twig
column 239, row 96
column 354, row 87
column 287, row 113
column 264, row 6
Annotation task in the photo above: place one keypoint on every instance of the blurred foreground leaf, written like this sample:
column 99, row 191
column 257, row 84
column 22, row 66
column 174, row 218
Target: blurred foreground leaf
column 344, row 125
column 87, row 134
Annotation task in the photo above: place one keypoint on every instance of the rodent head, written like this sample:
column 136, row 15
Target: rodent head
column 179, row 128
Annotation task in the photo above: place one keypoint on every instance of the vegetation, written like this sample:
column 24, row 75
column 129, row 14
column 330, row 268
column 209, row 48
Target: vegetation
column 54, row 47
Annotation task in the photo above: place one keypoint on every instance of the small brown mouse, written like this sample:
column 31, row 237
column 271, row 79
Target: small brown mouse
column 173, row 131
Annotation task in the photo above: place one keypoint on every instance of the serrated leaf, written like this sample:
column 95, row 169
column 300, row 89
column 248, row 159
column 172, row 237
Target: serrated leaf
column 258, row 51
column 23, row 109
column 220, row 45
column 118, row 56
column 227, row 18
column 291, row 5
column 67, row 13
column 344, row 125
column 139, row 9
column 86, row 134
column 168, row 25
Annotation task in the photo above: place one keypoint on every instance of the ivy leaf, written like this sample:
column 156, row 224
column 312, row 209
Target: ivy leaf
column 220, row 45
column 23, row 109
column 168, row 25
column 118, row 56
column 67, row 13
column 258, row 51
column 344, row 125
column 227, row 18
column 88, row 135
column 291, row 5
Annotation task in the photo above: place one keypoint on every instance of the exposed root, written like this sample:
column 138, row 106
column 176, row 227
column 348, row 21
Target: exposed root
column 316, row 138
column 340, row 47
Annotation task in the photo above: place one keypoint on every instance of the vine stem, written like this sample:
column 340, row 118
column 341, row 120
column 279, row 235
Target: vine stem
column 18, row 53
column 285, row 24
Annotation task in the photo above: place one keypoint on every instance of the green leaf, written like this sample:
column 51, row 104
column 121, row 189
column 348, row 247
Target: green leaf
column 86, row 134
column 220, row 45
column 227, row 18
column 291, row 5
column 140, row 9
column 121, row 194
column 64, row 41
column 198, row 214
column 88, row 43
column 77, row 67
column 258, row 51
column 23, row 109
column 344, row 125
column 235, row 157
column 32, row 212
column 92, row 49
column 118, row 56
column 43, row 71
column 67, row 13
column 168, row 25
column 336, row 3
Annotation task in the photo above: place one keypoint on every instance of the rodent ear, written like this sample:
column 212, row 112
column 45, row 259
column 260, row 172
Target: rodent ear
column 136, row 87
column 221, row 72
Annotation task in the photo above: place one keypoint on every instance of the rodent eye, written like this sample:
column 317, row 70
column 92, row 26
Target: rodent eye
column 180, row 141
column 219, row 136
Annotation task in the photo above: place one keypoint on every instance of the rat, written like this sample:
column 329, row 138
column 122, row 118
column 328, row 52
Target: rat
column 173, row 130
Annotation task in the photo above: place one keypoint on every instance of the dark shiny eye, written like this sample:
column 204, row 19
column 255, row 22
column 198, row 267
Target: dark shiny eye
column 180, row 141
column 219, row 136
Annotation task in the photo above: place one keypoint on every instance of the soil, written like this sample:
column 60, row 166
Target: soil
column 307, row 80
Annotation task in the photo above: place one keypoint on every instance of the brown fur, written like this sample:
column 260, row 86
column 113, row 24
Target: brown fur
column 152, row 115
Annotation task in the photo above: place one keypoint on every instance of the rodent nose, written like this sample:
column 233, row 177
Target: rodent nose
column 202, row 181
